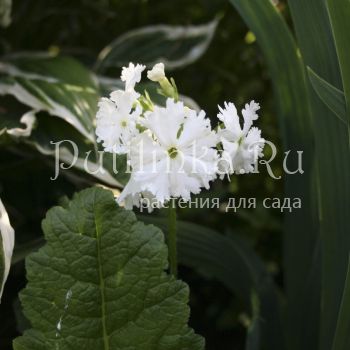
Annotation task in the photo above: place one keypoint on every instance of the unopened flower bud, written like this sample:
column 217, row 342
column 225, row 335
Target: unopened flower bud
column 156, row 73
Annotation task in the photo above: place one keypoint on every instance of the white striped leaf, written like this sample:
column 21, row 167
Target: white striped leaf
column 7, row 241
column 175, row 46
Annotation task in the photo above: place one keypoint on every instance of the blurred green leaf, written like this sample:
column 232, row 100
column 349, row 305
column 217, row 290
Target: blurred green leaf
column 5, row 12
column 330, row 95
column 99, row 283
column 61, row 142
column 44, row 132
column 175, row 46
column 58, row 85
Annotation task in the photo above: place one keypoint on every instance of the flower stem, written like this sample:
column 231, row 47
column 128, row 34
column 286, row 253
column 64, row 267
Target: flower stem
column 172, row 244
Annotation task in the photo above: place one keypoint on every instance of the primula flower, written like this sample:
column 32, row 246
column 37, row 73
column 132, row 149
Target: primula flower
column 242, row 146
column 132, row 75
column 117, row 120
column 174, row 158
column 133, row 195
column 117, row 117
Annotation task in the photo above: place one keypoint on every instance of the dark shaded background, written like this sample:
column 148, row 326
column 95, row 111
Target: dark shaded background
column 231, row 70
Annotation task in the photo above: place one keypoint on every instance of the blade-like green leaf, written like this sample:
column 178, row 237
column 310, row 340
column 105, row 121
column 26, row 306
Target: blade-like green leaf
column 175, row 46
column 289, row 80
column 58, row 85
column 99, row 283
column 7, row 241
column 330, row 95
column 315, row 37
column 342, row 335
column 5, row 12
column 234, row 264
column 339, row 12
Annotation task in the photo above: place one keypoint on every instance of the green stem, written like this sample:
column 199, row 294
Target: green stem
column 172, row 244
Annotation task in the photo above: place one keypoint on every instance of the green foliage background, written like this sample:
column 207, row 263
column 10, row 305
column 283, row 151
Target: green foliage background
column 232, row 69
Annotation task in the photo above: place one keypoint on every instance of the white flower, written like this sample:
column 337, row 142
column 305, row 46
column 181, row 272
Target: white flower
column 175, row 157
column 132, row 195
column 132, row 75
column 156, row 73
column 242, row 146
column 116, row 121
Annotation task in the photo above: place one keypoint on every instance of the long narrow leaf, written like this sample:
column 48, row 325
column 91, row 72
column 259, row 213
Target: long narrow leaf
column 315, row 37
column 330, row 95
column 289, row 80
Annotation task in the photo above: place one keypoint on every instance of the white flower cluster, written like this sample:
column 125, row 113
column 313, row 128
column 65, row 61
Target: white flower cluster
column 172, row 150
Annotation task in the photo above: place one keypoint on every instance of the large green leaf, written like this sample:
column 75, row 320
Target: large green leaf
column 99, row 283
column 175, row 46
column 331, row 96
column 7, row 240
column 233, row 263
column 59, row 85
column 289, row 80
column 317, row 46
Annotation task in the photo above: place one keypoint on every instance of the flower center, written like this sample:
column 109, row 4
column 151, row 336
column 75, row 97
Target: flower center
column 172, row 151
column 124, row 123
